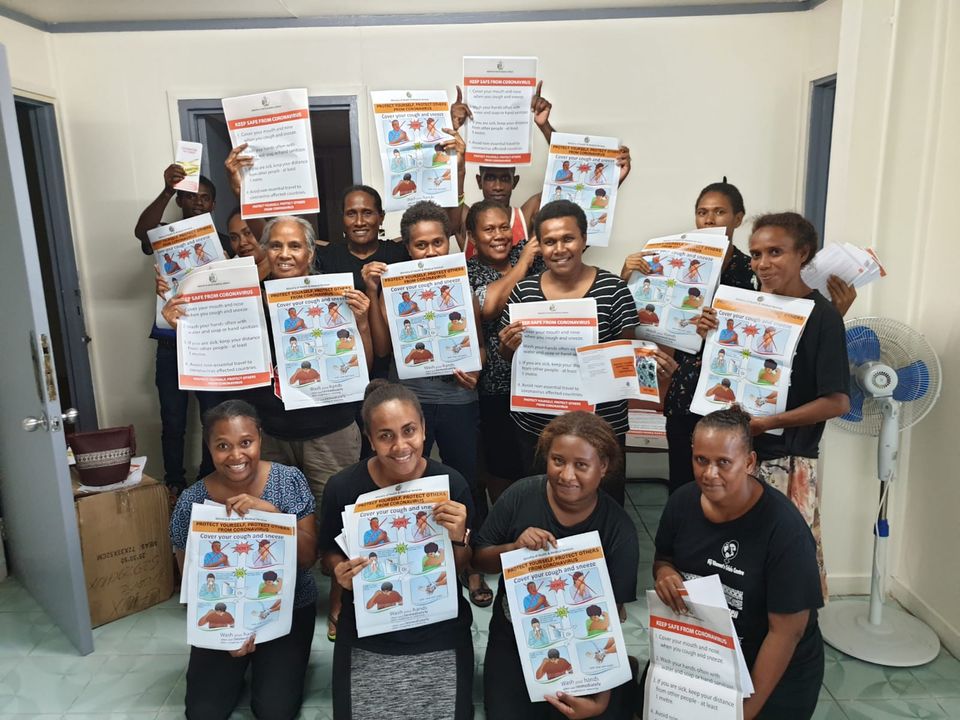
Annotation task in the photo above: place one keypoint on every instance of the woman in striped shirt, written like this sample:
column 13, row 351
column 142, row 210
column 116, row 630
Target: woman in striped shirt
column 561, row 227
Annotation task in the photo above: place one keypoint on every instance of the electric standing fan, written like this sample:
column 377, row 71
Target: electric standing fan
column 894, row 382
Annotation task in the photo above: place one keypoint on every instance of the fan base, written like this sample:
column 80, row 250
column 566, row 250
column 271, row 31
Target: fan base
column 900, row 640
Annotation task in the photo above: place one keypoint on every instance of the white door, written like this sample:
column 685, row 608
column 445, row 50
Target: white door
column 37, row 502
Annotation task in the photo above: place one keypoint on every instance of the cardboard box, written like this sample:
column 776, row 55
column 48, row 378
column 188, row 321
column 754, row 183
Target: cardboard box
column 126, row 550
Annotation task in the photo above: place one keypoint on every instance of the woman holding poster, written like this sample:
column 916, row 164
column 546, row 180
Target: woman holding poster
column 243, row 481
column 561, row 227
column 781, row 244
column 581, row 451
column 733, row 525
column 372, row 675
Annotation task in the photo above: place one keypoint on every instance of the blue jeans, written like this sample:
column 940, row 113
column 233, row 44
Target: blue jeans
column 455, row 429
column 173, row 416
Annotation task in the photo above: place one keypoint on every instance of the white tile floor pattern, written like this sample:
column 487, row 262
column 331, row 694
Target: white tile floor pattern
column 138, row 668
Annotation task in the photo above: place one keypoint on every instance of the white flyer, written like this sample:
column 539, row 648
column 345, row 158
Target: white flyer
column 241, row 575
column 545, row 373
column 747, row 359
column 685, row 271
column 619, row 370
column 855, row 266
column 409, row 128
column 583, row 169
column 276, row 127
column 411, row 579
column 565, row 619
column 180, row 247
column 188, row 156
column 319, row 352
column 499, row 91
column 222, row 338
column 431, row 317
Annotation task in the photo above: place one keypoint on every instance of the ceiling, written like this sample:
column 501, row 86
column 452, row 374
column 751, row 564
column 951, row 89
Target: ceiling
column 86, row 15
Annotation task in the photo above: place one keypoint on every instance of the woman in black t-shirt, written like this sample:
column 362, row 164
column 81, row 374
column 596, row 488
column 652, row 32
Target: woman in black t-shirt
column 580, row 450
column 732, row 525
column 371, row 675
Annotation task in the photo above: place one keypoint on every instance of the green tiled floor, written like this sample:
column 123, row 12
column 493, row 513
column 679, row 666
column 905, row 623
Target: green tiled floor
column 138, row 668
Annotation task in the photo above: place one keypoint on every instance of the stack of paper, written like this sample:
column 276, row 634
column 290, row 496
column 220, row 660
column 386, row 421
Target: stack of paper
column 239, row 576
column 855, row 266
column 410, row 580
column 697, row 669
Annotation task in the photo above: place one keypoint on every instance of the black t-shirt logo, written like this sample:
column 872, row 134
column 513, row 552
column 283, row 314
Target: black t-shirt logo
column 729, row 550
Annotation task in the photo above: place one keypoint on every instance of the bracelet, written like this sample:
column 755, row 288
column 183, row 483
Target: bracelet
column 463, row 543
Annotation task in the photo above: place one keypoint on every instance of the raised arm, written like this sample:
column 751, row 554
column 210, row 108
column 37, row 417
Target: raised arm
column 152, row 215
column 379, row 332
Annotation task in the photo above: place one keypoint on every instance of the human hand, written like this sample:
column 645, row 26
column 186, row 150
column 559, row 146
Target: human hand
column 235, row 163
column 707, row 321
column 759, row 425
column 460, row 111
column 579, row 708
column 467, row 380
column 842, row 295
column 371, row 273
column 536, row 539
column 669, row 588
column 623, row 162
column 171, row 176
column 512, row 335
column 249, row 645
column 346, row 570
column 530, row 252
column 636, row 262
column 455, row 143
column 173, row 310
column 242, row 504
column 453, row 516
column 359, row 304
column 666, row 365
column 163, row 287
column 540, row 107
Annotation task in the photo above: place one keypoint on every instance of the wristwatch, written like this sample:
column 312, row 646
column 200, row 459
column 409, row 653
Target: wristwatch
column 466, row 540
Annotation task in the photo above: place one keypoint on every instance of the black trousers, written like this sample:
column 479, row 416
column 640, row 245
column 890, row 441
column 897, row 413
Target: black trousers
column 679, row 450
column 278, row 672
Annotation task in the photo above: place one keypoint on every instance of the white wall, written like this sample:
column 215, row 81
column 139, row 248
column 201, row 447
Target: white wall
column 30, row 58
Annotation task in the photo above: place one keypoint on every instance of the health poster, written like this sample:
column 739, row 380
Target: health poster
column 319, row 352
column 619, row 370
column 188, row 156
column 565, row 618
column 409, row 127
column 583, row 169
column 499, row 91
column 430, row 313
column 747, row 358
column 241, row 574
column 411, row 577
column 276, row 128
column 222, row 337
column 684, row 274
column 181, row 247
column 545, row 373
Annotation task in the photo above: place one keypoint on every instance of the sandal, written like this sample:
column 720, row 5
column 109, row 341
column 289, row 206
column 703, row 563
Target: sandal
column 481, row 596
column 332, row 623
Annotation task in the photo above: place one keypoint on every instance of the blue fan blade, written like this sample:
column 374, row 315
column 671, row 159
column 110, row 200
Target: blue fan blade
column 913, row 382
column 855, row 413
column 863, row 345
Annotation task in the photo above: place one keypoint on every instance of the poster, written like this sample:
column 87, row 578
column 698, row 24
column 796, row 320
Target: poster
column 240, row 575
column 685, row 273
column 411, row 579
column 180, row 247
column 697, row 669
column 188, row 156
column 583, row 169
column 409, row 127
column 319, row 352
column 619, row 370
column 499, row 91
column 222, row 338
column 430, row 314
column 276, row 127
column 855, row 266
column 545, row 374
column 747, row 359
column 565, row 618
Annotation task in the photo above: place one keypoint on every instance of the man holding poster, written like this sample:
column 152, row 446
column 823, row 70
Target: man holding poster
column 275, row 127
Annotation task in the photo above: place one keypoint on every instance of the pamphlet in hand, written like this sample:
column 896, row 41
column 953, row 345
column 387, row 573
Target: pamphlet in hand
column 188, row 156
column 619, row 370
column 684, row 273
column 855, row 266
column 499, row 91
column 565, row 619
column 240, row 575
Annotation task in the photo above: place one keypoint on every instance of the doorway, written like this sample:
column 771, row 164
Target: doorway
column 336, row 150
column 37, row 124
column 822, row 99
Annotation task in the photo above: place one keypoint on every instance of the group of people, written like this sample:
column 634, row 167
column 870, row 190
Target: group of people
column 517, row 480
